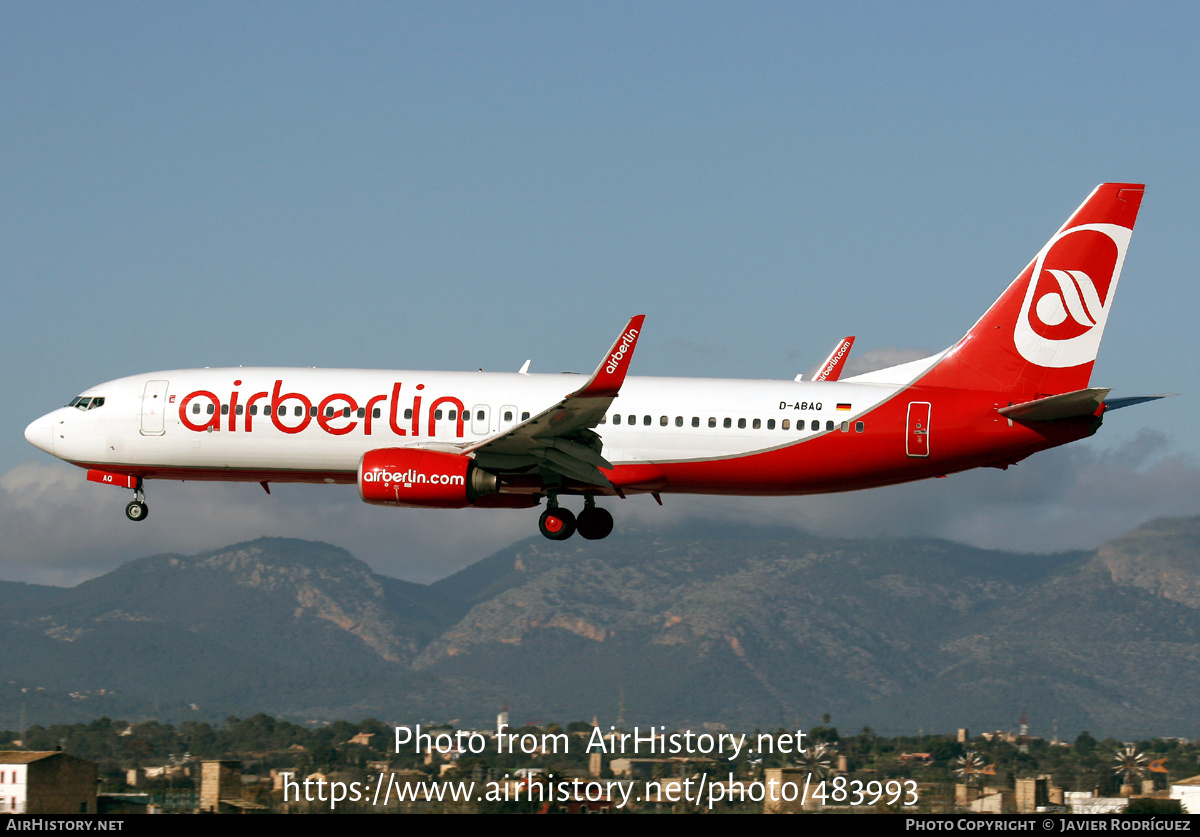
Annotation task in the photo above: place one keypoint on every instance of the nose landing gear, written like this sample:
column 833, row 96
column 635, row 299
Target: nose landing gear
column 138, row 510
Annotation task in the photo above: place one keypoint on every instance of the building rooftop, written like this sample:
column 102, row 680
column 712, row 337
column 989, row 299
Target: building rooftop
column 26, row 756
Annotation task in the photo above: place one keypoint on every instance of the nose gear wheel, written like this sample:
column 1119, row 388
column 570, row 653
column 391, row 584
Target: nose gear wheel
column 138, row 510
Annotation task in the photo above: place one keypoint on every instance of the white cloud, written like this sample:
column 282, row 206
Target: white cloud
column 60, row 529
column 868, row 361
column 1073, row 497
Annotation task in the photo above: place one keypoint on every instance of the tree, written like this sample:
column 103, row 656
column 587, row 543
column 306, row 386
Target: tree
column 1084, row 743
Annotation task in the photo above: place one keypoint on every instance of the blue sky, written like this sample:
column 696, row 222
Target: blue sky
column 464, row 185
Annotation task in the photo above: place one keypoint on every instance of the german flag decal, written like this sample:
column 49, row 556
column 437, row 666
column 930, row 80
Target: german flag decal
column 844, row 407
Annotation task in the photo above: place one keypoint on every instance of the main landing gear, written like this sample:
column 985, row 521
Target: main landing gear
column 558, row 524
column 137, row 510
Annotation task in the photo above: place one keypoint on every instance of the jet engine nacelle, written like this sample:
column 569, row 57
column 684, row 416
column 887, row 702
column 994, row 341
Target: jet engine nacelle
column 421, row 478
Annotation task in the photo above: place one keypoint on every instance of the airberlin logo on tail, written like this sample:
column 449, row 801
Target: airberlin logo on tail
column 1077, row 298
column 614, row 360
column 1070, row 290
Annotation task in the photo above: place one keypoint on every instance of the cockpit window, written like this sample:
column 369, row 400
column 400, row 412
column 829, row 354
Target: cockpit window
column 82, row 403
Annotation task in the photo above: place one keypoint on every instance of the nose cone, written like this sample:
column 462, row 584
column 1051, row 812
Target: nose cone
column 40, row 434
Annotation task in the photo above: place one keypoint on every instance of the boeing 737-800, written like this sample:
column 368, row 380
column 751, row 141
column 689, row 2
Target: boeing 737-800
column 1016, row 384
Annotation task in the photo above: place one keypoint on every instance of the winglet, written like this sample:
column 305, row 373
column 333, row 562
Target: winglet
column 831, row 369
column 610, row 374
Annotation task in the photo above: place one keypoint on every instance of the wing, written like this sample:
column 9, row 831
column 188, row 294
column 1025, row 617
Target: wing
column 561, row 438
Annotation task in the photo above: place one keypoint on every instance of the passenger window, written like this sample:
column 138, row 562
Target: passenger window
column 224, row 409
column 845, row 427
column 195, row 409
column 508, row 416
column 239, row 409
column 729, row 422
column 312, row 411
column 299, row 411
column 267, row 410
column 454, row 414
column 345, row 412
column 662, row 421
column 631, row 419
column 616, row 418
column 712, row 422
column 437, row 414
column 646, row 420
column 362, row 412
column 741, row 424
column 679, row 421
column 479, row 415
column 859, row 427
column 770, row 424
column 829, row 425
column 786, row 425
column 254, row 409
column 695, row 421
column 524, row 416
column 375, row 413
column 758, row 424
column 329, row 412
column 408, row 413
column 816, row 425
column 211, row 409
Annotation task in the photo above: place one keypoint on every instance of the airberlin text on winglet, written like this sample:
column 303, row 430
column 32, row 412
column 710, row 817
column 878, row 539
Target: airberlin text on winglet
column 627, row 340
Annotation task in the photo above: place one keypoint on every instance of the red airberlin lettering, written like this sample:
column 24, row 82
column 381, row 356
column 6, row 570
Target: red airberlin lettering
column 214, row 422
column 324, row 420
column 281, row 408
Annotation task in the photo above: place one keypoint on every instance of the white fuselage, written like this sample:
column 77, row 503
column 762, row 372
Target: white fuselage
column 158, row 421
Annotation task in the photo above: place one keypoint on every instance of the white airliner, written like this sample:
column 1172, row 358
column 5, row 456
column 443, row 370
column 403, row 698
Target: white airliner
column 1017, row 383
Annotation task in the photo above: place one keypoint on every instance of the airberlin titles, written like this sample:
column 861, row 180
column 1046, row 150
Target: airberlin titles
column 627, row 341
column 337, row 414
column 423, row 478
column 411, row 477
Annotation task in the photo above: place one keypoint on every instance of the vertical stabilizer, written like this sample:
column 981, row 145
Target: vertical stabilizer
column 1041, row 336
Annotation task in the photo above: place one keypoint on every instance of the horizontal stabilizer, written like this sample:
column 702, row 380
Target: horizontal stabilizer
column 1081, row 402
column 1118, row 403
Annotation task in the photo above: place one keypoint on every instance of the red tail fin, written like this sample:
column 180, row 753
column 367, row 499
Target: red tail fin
column 1041, row 336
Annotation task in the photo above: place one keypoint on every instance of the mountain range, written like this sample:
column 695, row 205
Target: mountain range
column 747, row 627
